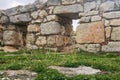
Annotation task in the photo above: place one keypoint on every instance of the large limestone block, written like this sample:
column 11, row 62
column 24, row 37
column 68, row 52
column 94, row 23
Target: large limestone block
column 50, row 28
column 11, row 38
column 22, row 18
column 111, row 47
column 76, row 8
column 33, row 28
column 107, row 6
column 90, row 32
column 112, row 15
column 115, row 22
column 115, row 35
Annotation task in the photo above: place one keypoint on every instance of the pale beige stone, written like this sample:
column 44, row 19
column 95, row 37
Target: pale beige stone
column 33, row 28
column 55, row 40
column 43, row 14
column 115, row 35
column 9, row 49
column 108, row 32
column 68, row 1
column 91, row 33
column 115, row 22
column 30, row 39
column 52, row 18
column 41, row 41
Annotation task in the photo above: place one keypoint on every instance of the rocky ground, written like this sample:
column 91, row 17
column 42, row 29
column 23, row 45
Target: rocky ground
column 17, row 75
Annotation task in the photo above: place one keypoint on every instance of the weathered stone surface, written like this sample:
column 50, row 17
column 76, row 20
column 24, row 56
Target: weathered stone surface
column 107, row 6
column 31, row 46
column 11, row 38
column 43, row 14
column 51, row 9
column 108, row 32
column 34, row 15
column 89, row 47
column 41, row 41
column 96, row 18
column 76, row 8
column 90, row 13
column 89, row 6
column 90, row 32
column 52, row 18
column 55, row 40
column 4, row 19
column 107, row 23
column 22, row 18
column 115, row 22
column 53, row 2
column 112, row 15
column 30, row 38
column 85, row 19
column 50, row 28
column 33, row 28
column 115, row 35
column 111, row 47
column 71, row 72
column 68, row 1
column 9, row 49
column 38, row 21
column 11, row 27
column 18, row 75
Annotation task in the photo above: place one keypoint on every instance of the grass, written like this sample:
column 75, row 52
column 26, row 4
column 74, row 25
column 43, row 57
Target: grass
column 39, row 60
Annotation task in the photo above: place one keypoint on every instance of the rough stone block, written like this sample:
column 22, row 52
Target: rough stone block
column 33, row 28
column 68, row 1
column 90, row 13
column 43, row 13
column 30, row 38
column 108, row 32
column 107, row 6
column 21, row 18
column 4, row 19
column 30, row 46
column 41, row 41
column 89, row 47
column 115, row 35
column 11, row 38
column 89, row 6
column 76, row 8
column 111, row 47
column 55, row 40
column 115, row 22
column 85, row 19
column 96, row 18
column 52, row 18
column 50, row 28
column 34, row 14
column 90, row 33
column 112, row 15
column 53, row 2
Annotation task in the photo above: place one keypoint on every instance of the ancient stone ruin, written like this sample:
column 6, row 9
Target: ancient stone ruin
column 49, row 25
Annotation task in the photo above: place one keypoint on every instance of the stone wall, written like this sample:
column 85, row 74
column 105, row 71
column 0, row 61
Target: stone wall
column 49, row 25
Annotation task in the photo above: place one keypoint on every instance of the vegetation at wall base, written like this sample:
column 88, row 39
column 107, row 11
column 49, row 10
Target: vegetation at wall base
column 40, row 60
